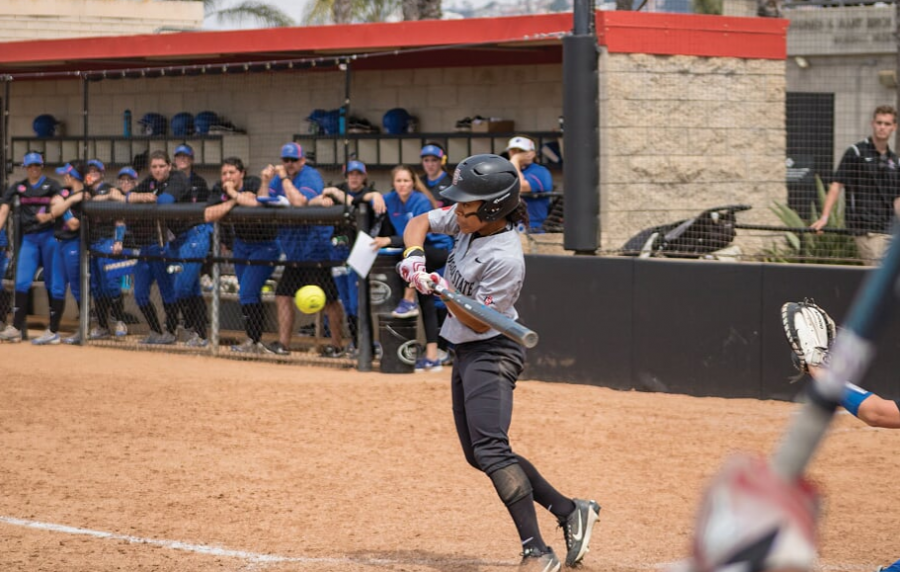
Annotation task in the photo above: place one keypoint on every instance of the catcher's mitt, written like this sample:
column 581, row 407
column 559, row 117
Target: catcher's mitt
column 809, row 330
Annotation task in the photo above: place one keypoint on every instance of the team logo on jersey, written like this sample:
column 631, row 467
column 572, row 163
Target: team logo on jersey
column 64, row 193
column 21, row 188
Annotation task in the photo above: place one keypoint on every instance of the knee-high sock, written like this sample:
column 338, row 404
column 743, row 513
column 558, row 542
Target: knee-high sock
column 171, row 311
column 101, row 304
column 197, row 307
column 57, row 307
column 117, row 308
column 5, row 301
column 544, row 493
column 21, row 311
column 149, row 312
column 255, row 317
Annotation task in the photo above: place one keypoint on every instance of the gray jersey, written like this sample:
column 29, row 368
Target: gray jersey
column 489, row 269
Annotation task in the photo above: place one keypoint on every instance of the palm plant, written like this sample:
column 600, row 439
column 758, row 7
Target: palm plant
column 266, row 14
column 809, row 247
column 346, row 11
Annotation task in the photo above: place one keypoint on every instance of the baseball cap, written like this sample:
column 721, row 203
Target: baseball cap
column 33, row 158
column 291, row 151
column 355, row 166
column 97, row 163
column 432, row 151
column 184, row 150
column 69, row 169
column 127, row 172
column 523, row 143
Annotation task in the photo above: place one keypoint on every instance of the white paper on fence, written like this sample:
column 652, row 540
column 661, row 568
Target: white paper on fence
column 362, row 256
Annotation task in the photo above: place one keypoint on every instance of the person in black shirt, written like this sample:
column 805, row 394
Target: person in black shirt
column 252, row 242
column 870, row 173
column 163, row 186
column 38, row 247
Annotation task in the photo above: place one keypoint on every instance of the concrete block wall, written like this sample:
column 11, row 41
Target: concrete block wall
column 681, row 134
column 54, row 19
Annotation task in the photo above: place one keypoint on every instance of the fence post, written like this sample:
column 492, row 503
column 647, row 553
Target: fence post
column 364, row 327
column 216, row 290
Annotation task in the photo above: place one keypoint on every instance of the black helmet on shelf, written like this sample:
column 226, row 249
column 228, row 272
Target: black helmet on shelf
column 489, row 178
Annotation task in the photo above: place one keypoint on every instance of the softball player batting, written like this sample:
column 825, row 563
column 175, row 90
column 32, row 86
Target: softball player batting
column 487, row 264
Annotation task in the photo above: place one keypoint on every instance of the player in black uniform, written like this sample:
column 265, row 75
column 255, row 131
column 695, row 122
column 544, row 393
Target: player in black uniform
column 38, row 247
column 251, row 242
column 488, row 265
column 164, row 185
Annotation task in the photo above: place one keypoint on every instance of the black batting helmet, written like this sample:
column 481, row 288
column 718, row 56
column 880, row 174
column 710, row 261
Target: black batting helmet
column 488, row 178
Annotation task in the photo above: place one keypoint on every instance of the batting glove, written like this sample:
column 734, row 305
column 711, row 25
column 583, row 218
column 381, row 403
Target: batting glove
column 424, row 282
column 410, row 266
column 752, row 519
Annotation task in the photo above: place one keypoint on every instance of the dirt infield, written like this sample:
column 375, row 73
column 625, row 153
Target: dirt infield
column 116, row 460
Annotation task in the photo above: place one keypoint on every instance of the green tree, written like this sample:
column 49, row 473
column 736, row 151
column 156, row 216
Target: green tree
column 260, row 12
column 346, row 11
column 707, row 6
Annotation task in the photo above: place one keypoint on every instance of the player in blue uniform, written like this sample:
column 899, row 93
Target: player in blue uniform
column 487, row 264
column 191, row 241
column 406, row 201
column 536, row 181
column 252, row 242
column 38, row 247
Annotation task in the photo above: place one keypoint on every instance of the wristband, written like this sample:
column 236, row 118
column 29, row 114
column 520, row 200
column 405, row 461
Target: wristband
column 284, row 178
column 67, row 216
column 120, row 234
column 853, row 398
column 411, row 251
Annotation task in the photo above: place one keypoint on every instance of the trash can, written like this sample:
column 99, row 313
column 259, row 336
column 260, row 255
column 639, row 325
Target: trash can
column 398, row 344
column 385, row 285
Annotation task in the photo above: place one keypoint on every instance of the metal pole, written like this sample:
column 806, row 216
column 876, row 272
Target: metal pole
column 216, row 292
column 364, row 322
column 581, row 136
column 85, row 123
column 84, row 313
column 345, row 111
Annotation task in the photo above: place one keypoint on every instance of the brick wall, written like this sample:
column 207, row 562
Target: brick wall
column 50, row 19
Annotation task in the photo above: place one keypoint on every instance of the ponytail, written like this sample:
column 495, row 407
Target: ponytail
column 519, row 215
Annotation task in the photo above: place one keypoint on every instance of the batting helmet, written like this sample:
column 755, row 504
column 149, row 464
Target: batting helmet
column 154, row 124
column 204, row 120
column 396, row 121
column 44, row 125
column 489, row 178
column 182, row 124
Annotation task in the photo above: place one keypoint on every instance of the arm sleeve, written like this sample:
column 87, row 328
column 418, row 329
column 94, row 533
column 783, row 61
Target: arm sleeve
column 443, row 221
column 540, row 179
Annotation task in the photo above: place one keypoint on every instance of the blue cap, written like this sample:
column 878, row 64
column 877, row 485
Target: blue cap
column 127, row 172
column 355, row 166
column 184, row 150
column 432, row 151
column 291, row 151
column 97, row 163
column 68, row 169
column 33, row 158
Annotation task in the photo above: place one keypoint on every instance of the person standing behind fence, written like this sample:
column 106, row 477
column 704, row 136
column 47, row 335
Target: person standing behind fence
column 65, row 214
column 302, row 186
column 106, row 288
column 406, row 201
column 38, row 247
column 536, row 180
column 436, row 179
column 353, row 191
column 191, row 242
column 162, row 186
column 252, row 242
column 870, row 173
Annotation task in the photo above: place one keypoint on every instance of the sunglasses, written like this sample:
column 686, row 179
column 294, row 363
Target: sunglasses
column 289, row 160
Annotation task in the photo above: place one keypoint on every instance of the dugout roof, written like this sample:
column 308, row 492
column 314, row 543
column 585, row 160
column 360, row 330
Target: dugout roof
column 427, row 43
